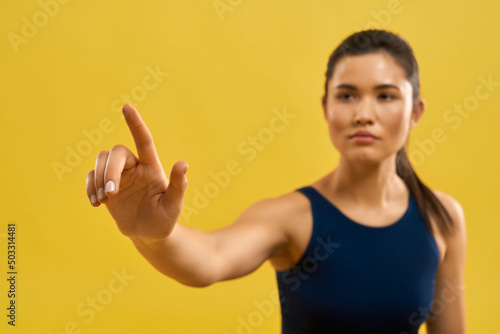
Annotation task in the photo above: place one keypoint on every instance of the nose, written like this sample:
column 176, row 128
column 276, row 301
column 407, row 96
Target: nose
column 364, row 112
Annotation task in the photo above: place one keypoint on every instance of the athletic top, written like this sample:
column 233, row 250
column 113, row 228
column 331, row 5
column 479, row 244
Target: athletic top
column 355, row 278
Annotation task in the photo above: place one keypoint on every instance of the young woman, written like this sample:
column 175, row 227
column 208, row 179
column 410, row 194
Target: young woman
column 367, row 248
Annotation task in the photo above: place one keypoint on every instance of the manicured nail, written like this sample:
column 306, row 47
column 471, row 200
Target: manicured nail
column 110, row 187
column 100, row 194
column 93, row 199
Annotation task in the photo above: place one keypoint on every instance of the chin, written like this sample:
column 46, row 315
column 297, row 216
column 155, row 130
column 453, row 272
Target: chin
column 365, row 157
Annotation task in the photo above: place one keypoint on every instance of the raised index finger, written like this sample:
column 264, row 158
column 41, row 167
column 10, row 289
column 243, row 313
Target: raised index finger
column 142, row 137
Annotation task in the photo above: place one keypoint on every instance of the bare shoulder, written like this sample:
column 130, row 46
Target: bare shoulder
column 263, row 231
column 456, row 242
column 281, row 208
column 454, row 208
column 287, row 219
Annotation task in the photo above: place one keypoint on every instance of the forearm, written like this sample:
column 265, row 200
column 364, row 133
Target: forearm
column 186, row 255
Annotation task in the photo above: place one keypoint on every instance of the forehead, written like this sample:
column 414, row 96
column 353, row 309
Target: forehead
column 369, row 70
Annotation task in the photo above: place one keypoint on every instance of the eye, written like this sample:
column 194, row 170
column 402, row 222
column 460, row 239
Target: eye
column 386, row 96
column 345, row 96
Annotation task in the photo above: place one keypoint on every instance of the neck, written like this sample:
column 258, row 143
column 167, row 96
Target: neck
column 368, row 185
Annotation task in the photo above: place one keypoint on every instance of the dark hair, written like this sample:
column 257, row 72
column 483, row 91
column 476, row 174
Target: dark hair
column 374, row 41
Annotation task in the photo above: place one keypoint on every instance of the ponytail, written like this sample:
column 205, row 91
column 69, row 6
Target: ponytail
column 428, row 204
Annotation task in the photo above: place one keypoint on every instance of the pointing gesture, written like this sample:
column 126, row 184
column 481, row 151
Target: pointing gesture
column 135, row 190
column 146, row 206
column 142, row 137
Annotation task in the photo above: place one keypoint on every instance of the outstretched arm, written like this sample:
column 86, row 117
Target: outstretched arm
column 146, row 206
column 198, row 258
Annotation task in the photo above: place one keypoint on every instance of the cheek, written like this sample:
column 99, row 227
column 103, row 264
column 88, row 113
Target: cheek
column 338, row 122
column 396, row 123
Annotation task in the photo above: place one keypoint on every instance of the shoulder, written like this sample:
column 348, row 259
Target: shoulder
column 454, row 208
column 287, row 220
column 290, row 216
column 448, row 201
column 457, row 240
column 281, row 208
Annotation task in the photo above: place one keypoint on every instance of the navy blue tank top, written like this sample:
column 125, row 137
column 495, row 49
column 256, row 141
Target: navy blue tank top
column 355, row 278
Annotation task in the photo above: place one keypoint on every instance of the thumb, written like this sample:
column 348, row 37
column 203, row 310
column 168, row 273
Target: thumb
column 174, row 195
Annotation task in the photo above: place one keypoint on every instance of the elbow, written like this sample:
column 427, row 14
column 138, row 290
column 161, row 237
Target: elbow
column 197, row 283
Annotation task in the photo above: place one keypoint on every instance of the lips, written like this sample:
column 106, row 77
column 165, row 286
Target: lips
column 363, row 133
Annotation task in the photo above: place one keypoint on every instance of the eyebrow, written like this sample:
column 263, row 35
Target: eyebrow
column 384, row 86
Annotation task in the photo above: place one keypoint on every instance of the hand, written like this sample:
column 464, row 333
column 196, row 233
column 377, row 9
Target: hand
column 136, row 191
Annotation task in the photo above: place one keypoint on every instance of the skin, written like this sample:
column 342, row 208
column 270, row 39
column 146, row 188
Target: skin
column 146, row 204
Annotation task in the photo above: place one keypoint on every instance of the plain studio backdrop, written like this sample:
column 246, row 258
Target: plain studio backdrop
column 234, row 88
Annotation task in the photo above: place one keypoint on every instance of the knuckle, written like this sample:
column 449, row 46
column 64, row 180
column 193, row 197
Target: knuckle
column 173, row 211
column 175, row 184
column 102, row 154
column 119, row 149
column 90, row 175
column 183, row 183
column 89, row 181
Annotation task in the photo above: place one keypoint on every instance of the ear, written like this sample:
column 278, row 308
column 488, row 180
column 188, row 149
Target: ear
column 417, row 112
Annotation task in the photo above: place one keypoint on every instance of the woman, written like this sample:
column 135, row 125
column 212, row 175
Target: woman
column 366, row 248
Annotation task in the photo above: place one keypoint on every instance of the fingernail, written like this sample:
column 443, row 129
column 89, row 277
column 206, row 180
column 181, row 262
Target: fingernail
column 93, row 199
column 110, row 187
column 100, row 194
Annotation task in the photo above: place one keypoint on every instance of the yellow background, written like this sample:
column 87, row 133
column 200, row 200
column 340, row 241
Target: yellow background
column 227, row 72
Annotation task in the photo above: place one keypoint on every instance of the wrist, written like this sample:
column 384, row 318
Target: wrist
column 148, row 242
